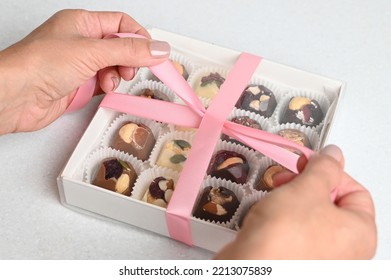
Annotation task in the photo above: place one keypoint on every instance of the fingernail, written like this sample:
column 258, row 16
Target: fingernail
column 115, row 82
column 159, row 48
column 332, row 151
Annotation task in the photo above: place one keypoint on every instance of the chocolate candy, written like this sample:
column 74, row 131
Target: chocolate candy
column 304, row 111
column 216, row 204
column 244, row 120
column 209, row 85
column 229, row 165
column 160, row 191
column 296, row 136
column 266, row 182
column 174, row 154
column 153, row 94
column 116, row 175
column 257, row 99
column 135, row 139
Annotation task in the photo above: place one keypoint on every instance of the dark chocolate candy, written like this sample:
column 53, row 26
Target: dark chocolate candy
column 229, row 165
column 134, row 139
column 116, row 175
column 258, row 99
column 304, row 111
column 216, row 204
column 246, row 121
column 296, row 136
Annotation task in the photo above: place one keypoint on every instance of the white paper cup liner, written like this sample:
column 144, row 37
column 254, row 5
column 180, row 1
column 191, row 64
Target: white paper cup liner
column 195, row 78
column 216, row 182
column 176, row 135
column 165, row 92
column 251, row 156
column 311, row 133
column 110, row 133
column 141, row 186
column 245, row 205
column 96, row 157
column 146, row 74
column 281, row 107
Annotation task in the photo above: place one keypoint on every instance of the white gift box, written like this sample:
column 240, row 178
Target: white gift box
column 80, row 195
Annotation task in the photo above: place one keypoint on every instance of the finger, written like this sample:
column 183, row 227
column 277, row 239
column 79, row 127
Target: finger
column 352, row 195
column 301, row 163
column 109, row 79
column 322, row 173
column 100, row 24
column 127, row 73
column 282, row 178
column 130, row 52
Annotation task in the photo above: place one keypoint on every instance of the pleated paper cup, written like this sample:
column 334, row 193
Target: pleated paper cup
column 282, row 106
column 141, row 187
column 187, row 136
column 216, row 182
column 198, row 74
column 94, row 160
column 112, row 131
column 251, row 157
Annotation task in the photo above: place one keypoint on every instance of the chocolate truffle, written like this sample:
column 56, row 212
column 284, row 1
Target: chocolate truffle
column 304, row 111
column 209, row 85
column 266, row 183
column 229, row 165
column 174, row 154
column 116, row 175
column 296, row 136
column 134, row 139
column 216, row 204
column 153, row 94
column 258, row 99
column 160, row 191
column 244, row 120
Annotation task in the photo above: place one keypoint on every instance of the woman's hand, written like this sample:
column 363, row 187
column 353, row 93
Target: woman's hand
column 298, row 220
column 41, row 73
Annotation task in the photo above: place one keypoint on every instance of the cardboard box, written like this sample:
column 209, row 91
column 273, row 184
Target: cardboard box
column 81, row 196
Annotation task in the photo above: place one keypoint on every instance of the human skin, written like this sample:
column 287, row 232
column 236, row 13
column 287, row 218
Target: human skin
column 299, row 220
column 41, row 73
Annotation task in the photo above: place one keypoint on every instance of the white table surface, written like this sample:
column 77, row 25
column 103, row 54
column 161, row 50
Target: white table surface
column 347, row 40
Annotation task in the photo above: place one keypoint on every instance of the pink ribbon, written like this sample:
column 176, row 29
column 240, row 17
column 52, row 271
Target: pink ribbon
column 210, row 124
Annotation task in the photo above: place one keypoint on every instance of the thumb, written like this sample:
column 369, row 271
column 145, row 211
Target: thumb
column 129, row 52
column 322, row 174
